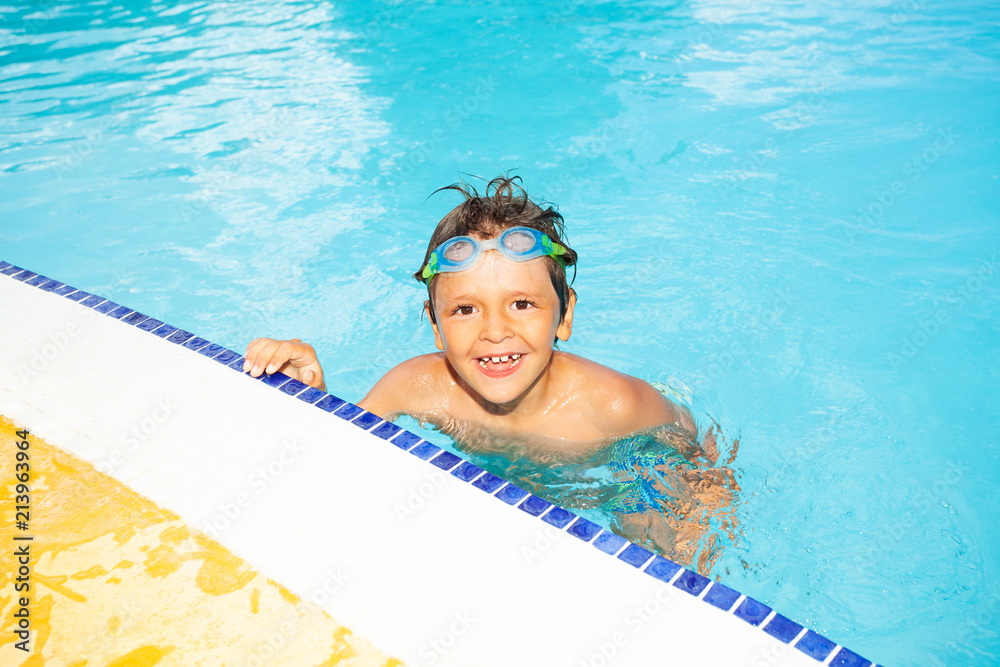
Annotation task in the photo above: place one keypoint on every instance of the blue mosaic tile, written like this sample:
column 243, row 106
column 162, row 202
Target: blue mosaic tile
column 212, row 350
column 467, row 471
column 226, row 357
column 164, row 330
column 25, row 275
column 348, row 411
column 149, row 324
column 815, row 646
column 445, row 460
column 425, row 450
column 386, row 430
column 405, row 440
column 291, row 388
column 106, row 307
column 196, row 343
column 92, row 301
column 488, row 483
column 274, row 379
column 534, row 505
column 64, row 290
column 4, row 265
column 752, row 612
column 11, row 270
column 782, row 628
column 51, row 285
column 510, row 494
column 721, row 596
column 848, row 658
column 237, row 364
column 366, row 419
column 78, row 295
column 663, row 569
column 180, row 336
column 330, row 403
column 134, row 318
column 635, row 555
column 584, row 529
column 691, row 582
column 558, row 517
column 609, row 543
column 37, row 280
column 310, row 395
column 120, row 312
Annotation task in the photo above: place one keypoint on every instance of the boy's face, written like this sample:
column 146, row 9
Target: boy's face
column 499, row 309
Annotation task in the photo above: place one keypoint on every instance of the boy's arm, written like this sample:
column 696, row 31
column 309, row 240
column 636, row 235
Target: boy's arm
column 402, row 389
column 640, row 406
column 292, row 357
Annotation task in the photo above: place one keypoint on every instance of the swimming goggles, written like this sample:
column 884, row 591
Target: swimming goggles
column 517, row 243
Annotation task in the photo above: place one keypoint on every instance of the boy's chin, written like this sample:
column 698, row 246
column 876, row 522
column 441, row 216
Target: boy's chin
column 493, row 395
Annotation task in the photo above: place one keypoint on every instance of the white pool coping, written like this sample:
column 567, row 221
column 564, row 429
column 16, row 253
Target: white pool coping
column 425, row 566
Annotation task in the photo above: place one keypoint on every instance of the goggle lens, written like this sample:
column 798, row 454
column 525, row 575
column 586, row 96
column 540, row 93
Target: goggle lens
column 459, row 251
column 519, row 242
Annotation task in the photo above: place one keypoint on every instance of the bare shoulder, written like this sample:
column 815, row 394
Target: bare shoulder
column 409, row 387
column 623, row 403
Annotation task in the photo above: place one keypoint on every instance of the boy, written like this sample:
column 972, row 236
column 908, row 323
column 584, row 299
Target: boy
column 495, row 270
column 498, row 301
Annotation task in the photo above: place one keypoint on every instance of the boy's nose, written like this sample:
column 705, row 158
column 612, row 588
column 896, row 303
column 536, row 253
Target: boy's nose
column 496, row 328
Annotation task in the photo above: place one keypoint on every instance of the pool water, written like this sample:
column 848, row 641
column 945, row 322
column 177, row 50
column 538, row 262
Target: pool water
column 789, row 210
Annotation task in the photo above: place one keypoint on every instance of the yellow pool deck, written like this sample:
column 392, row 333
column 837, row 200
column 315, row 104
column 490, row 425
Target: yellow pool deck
column 179, row 505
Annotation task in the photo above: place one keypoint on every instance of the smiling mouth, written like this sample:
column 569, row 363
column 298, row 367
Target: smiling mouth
column 500, row 365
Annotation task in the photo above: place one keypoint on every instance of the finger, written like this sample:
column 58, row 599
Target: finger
column 277, row 357
column 263, row 356
column 253, row 350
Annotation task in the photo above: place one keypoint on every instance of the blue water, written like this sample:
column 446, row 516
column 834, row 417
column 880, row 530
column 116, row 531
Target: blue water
column 790, row 209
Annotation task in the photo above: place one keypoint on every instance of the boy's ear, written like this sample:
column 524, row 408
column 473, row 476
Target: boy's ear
column 566, row 326
column 438, row 341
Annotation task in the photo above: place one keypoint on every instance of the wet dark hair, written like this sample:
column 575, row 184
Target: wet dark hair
column 505, row 205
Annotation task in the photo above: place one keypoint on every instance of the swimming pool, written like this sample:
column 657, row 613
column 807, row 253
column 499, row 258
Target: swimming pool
column 791, row 210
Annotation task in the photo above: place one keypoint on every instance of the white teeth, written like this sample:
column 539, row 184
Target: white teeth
column 514, row 358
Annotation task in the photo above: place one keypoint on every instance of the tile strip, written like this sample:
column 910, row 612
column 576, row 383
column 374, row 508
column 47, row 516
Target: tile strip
column 663, row 569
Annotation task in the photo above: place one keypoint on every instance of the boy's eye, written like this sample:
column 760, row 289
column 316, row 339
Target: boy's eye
column 523, row 304
column 464, row 310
